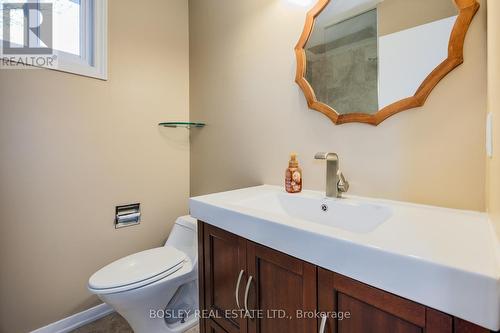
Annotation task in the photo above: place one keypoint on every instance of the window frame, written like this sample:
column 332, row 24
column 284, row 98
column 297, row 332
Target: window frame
column 93, row 60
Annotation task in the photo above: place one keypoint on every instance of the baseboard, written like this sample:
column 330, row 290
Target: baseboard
column 77, row 320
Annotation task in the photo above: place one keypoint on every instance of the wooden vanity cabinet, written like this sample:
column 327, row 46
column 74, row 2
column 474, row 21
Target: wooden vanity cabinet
column 372, row 310
column 223, row 260
column 212, row 327
column 280, row 282
column 273, row 280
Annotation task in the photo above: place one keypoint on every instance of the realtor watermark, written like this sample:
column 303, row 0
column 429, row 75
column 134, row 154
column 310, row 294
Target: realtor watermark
column 27, row 39
column 252, row 314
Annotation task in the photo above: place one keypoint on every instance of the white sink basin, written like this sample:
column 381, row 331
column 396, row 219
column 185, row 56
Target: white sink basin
column 443, row 258
column 351, row 215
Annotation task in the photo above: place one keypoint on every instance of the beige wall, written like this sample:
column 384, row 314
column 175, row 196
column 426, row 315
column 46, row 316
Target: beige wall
column 493, row 189
column 397, row 15
column 71, row 148
column 242, row 84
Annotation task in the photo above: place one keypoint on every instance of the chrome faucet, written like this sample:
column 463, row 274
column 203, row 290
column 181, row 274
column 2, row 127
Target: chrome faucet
column 336, row 184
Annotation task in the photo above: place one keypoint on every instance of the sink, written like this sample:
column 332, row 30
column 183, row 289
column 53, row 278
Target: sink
column 446, row 259
column 347, row 214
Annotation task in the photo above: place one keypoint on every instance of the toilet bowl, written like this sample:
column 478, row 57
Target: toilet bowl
column 156, row 290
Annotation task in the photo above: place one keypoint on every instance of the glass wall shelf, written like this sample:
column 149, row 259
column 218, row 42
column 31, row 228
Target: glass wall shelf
column 177, row 124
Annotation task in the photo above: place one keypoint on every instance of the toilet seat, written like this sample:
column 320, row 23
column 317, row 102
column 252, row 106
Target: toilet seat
column 137, row 270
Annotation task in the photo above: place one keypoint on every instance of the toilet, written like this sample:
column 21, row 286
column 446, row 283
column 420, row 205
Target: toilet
column 156, row 290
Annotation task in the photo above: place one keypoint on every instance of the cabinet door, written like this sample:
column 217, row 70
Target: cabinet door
column 224, row 263
column 367, row 309
column 212, row 327
column 279, row 284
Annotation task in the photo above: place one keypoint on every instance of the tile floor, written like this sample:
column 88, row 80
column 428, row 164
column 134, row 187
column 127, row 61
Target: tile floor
column 113, row 323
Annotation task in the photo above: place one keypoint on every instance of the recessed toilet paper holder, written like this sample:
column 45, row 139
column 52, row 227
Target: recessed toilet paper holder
column 127, row 215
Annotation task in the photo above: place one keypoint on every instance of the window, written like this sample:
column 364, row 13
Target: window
column 76, row 31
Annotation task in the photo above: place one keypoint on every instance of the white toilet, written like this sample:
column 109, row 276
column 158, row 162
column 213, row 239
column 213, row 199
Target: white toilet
column 156, row 290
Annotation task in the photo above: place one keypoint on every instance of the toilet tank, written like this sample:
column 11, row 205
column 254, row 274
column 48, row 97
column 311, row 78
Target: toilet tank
column 184, row 237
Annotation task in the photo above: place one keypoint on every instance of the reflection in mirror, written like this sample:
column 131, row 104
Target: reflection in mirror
column 412, row 44
column 364, row 56
column 342, row 65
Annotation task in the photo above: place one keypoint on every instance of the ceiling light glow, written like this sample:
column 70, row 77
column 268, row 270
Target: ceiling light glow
column 303, row 3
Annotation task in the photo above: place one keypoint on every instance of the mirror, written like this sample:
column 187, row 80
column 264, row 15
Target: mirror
column 366, row 60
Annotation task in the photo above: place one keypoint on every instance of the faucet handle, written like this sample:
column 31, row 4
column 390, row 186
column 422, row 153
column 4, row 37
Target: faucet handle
column 343, row 184
column 326, row 156
column 320, row 156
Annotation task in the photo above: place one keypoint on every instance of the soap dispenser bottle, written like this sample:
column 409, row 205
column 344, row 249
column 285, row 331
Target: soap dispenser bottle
column 293, row 175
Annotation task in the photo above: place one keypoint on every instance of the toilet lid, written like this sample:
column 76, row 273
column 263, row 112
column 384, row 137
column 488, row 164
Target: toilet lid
column 137, row 267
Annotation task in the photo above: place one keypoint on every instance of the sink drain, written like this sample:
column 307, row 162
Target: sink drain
column 324, row 207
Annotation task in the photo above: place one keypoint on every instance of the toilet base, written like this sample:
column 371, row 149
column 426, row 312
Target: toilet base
column 156, row 308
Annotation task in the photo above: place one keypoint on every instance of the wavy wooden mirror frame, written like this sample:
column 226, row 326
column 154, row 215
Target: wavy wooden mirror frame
column 467, row 11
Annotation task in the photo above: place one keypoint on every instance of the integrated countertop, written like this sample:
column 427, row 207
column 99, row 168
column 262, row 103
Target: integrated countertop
column 443, row 258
